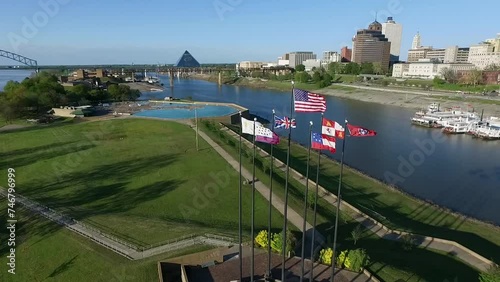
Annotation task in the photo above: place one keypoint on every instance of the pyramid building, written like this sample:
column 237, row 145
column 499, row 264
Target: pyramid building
column 187, row 61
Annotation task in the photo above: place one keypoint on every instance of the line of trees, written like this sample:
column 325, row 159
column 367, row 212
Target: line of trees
column 35, row 96
column 473, row 77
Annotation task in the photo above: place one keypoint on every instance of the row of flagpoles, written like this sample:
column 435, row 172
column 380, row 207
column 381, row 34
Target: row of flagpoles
column 301, row 102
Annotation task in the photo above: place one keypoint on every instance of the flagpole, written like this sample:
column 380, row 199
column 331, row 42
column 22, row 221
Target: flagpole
column 196, row 121
column 253, row 204
column 314, row 217
column 338, row 208
column 285, row 208
column 270, row 207
column 305, row 206
column 240, row 254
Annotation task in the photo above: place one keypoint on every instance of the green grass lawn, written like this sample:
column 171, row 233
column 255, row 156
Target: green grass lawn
column 47, row 252
column 389, row 260
column 140, row 180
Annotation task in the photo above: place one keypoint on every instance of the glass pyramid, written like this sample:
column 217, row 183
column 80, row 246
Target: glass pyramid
column 187, row 61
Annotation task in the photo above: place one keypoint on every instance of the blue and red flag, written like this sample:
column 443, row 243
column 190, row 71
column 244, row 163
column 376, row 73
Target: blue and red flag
column 323, row 142
column 284, row 122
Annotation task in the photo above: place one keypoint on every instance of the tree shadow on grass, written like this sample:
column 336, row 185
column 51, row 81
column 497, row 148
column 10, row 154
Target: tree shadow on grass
column 63, row 267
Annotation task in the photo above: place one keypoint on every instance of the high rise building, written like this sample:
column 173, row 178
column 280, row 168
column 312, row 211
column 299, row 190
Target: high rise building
column 345, row 54
column 485, row 54
column 371, row 46
column 416, row 42
column 394, row 32
column 297, row 58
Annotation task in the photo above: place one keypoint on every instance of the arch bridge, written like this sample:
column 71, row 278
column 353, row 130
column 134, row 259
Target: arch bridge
column 19, row 58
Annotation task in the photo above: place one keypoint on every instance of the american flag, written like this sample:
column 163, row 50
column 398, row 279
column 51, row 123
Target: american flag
column 284, row 122
column 308, row 102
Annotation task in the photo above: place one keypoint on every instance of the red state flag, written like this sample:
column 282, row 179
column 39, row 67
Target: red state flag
column 332, row 128
column 358, row 131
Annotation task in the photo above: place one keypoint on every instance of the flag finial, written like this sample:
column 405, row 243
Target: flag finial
column 293, row 82
column 274, row 111
column 254, row 119
column 311, row 123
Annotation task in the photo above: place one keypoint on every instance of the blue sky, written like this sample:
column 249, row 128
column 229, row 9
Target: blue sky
column 158, row 31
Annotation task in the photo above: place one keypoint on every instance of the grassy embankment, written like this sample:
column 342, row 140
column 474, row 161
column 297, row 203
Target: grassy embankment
column 140, row 180
column 389, row 260
column 47, row 252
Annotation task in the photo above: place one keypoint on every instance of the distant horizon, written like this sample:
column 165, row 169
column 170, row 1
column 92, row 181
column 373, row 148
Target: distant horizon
column 71, row 32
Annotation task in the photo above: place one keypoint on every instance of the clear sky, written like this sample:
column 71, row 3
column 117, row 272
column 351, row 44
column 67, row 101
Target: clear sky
column 219, row 31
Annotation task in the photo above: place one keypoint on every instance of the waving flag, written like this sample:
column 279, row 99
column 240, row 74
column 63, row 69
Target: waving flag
column 260, row 130
column 307, row 102
column 269, row 140
column 284, row 122
column 358, row 131
column 322, row 142
column 332, row 128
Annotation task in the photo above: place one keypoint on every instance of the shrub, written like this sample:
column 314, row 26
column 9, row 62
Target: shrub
column 343, row 259
column 408, row 242
column 261, row 239
column 358, row 259
column 325, row 256
column 277, row 242
column 356, row 233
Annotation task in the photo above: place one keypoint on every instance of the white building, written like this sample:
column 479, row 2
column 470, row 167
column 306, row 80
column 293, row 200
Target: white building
column 311, row 63
column 416, row 44
column 250, row 65
column 426, row 69
column 394, row 32
column 331, row 56
column 485, row 54
column 282, row 62
column 296, row 58
column 452, row 54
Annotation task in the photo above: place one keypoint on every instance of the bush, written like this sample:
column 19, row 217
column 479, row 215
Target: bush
column 325, row 256
column 408, row 242
column 277, row 242
column 343, row 259
column 358, row 259
column 261, row 239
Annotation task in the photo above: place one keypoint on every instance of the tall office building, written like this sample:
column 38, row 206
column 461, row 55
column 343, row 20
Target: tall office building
column 371, row 46
column 297, row 58
column 394, row 32
column 416, row 42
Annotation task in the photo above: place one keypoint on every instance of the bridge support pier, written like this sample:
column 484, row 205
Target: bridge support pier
column 171, row 78
column 220, row 78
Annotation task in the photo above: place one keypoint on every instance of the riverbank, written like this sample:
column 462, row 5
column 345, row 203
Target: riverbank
column 406, row 98
column 143, row 86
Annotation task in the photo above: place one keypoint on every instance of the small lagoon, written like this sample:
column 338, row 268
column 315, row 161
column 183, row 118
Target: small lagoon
column 186, row 111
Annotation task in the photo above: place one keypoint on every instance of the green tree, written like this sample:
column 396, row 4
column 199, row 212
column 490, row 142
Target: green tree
column 302, row 76
column 367, row 68
column 475, row 77
column 356, row 233
column 317, row 77
column 492, row 275
column 449, row 75
column 334, row 68
column 438, row 81
column 377, row 68
column 352, row 68
column 123, row 93
column 300, row 67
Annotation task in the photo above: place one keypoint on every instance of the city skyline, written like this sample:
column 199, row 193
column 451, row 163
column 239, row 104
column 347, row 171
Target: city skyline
column 220, row 31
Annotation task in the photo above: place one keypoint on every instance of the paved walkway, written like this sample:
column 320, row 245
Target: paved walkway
column 450, row 247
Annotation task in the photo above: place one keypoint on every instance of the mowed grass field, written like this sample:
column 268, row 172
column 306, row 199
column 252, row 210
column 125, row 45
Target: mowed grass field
column 140, row 180
column 47, row 252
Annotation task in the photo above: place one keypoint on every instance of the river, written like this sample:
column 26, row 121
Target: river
column 453, row 171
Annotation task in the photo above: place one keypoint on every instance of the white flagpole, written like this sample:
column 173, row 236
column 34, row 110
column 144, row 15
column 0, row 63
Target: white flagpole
column 338, row 207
